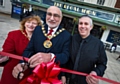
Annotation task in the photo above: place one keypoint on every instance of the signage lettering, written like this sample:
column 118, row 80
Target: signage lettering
column 65, row 7
column 70, row 7
column 75, row 9
column 78, row 9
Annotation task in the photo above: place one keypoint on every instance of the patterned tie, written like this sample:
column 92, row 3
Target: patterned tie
column 50, row 32
column 77, row 58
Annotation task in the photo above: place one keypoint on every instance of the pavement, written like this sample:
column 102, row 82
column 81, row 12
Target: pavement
column 113, row 66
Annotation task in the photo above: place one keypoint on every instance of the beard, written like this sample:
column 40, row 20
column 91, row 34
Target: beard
column 51, row 25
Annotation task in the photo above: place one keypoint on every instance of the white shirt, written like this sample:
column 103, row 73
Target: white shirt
column 54, row 30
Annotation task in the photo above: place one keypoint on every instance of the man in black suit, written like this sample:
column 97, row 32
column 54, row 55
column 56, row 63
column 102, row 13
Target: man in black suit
column 47, row 41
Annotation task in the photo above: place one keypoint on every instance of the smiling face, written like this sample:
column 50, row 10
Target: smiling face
column 85, row 26
column 30, row 25
column 53, row 17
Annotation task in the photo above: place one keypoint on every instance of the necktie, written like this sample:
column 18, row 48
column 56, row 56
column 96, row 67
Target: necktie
column 77, row 58
column 50, row 32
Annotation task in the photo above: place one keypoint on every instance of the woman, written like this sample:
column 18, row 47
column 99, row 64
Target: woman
column 15, row 43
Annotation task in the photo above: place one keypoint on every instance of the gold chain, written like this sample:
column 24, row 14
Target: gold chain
column 51, row 36
column 25, row 35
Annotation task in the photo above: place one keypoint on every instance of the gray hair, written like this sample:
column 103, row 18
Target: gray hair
column 91, row 21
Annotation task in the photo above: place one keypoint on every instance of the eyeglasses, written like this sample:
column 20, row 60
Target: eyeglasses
column 54, row 15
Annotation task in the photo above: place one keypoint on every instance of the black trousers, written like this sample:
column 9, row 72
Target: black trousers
column 78, row 80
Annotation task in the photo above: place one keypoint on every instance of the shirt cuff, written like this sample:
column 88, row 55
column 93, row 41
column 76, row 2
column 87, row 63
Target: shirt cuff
column 52, row 56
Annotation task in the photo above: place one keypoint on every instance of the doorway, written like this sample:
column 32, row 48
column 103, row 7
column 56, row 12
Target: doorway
column 97, row 31
column 67, row 23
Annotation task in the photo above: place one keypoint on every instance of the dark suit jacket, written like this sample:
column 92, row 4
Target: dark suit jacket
column 60, row 44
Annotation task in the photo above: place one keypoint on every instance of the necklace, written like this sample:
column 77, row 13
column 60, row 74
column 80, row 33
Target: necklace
column 24, row 33
column 47, row 43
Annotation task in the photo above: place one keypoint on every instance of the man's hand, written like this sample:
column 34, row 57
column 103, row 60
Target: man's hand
column 39, row 58
column 3, row 58
column 18, row 69
column 92, row 80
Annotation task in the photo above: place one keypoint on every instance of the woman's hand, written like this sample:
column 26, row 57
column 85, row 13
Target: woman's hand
column 3, row 58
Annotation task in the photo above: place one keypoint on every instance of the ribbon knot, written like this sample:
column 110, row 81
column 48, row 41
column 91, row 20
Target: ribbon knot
column 45, row 73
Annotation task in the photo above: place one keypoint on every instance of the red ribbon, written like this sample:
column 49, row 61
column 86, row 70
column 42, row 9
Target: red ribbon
column 46, row 73
column 13, row 56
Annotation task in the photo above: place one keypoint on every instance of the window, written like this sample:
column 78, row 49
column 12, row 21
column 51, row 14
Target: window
column 100, row 2
column 1, row 2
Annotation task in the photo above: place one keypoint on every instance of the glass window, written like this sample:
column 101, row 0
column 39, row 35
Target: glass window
column 1, row 2
column 100, row 2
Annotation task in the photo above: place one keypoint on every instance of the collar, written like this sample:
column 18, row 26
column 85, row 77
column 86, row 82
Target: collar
column 54, row 29
column 86, row 39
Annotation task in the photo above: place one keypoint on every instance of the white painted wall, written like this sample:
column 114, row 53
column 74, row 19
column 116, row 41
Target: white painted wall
column 110, row 3
column 7, row 7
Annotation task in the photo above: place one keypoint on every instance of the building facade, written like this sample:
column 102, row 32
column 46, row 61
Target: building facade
column 5, row 6
column 105, row 14
column 111, row 33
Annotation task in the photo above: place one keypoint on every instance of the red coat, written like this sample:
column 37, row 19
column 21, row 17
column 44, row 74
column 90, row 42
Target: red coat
column 15, row 43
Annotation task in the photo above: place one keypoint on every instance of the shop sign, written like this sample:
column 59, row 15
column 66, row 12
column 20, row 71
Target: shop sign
column 17, row 10
column 82, row 10
column 117, row 19
column 48, row 2
column 35, row 0
column 77, row 9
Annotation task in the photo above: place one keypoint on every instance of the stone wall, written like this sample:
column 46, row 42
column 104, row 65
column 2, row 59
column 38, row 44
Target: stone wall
column 7, row 7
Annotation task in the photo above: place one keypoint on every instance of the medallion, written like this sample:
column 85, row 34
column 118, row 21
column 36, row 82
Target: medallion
column 47, row 43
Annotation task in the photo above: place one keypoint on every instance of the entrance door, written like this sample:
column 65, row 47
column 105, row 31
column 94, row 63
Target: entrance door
column 67, row 23
column 97, row 31
column 70, row 25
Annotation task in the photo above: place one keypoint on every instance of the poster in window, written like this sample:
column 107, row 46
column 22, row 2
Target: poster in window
column 114, row 36
column 17, row 10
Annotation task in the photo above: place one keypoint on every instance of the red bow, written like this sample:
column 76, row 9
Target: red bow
column 45, row 73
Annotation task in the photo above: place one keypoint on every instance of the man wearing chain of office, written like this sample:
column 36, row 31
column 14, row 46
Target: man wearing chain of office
column 48, row 41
